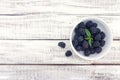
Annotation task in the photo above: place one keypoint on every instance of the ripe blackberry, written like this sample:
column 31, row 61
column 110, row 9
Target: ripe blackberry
column 76, row 30
column 68, row 53
column 98, row 49
column 94, row 24
column 102, row 43
column 85, row 44
column 96, row 44
column 81, row 25
column 97, row 37
column 61, row 44
column 87, row 52
column 74, row 42
column 78, row 48
column 89, row 24
column 93, row 30
column 81, row 31
column 102, row 35
column 97, row 30
column 80, row 38
column 92, row 50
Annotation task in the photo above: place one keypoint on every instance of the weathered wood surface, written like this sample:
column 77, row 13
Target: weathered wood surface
column 59, row 72
column 47, row 52
column 49, row 21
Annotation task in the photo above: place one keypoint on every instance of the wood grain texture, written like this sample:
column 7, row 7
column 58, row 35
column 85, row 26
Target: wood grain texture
column 59, row 73
column 53, row 19
column 22, row 21
column 64, row 6
column 47, row 52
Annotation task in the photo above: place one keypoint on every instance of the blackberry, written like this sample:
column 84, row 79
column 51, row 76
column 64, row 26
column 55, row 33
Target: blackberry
column 74, row 42
column 94, row 30
column 102, row 43
column 76, row 30
column 85, row 44
column 81, row 31
column 92, row 50
column 68, row 53
column 102, row 35
column 96, row 44
column 85, row 36
column 61, row 44
column 97, row 30
column 89, row 24
column 98, row 49
column 94, row 25
column 78, row 48
column 80, row 38
column 97, row 37
column 87, row 52
column 81, row 25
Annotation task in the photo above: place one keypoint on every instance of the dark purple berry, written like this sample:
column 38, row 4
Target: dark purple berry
column 81, row 31
column 81, row 25
column 76, row 43
column 76, row 30
column 98, row 49
column 102, row 43
column 61, row 44
column 68, row 53
column 89, row 24
column 85, row 36
column 92, row 50
column 97, row 30
column 85, row 44
column 78, row 48
column 73, row 42
column 102, row 35
column 94, row 30
column 94, row 25
column 87, row 52
column 97, row 37
column 96, row 44
column 80, row 38
column 82, row 49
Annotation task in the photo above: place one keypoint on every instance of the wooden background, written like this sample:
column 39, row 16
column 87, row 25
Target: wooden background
column 31, row 29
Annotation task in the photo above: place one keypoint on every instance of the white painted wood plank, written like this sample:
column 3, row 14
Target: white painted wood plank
column 59, row 72
column 64, row 6
column 47, row 26
column 47, row 52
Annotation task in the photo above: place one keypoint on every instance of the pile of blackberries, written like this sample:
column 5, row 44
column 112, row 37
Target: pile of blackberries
column 80, row 40
column 68, row 52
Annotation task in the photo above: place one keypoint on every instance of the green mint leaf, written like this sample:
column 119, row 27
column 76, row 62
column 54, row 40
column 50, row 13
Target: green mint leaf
column 87, row 38
column 87, row 32
column 90, row 42
column 91, row 38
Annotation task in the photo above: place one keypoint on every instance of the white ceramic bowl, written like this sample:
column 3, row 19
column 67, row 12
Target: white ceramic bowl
column 103, row 27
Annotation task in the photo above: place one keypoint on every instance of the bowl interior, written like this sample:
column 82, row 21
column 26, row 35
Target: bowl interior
column 103, row 27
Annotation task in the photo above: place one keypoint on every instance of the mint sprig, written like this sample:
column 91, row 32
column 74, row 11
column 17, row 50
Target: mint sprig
column 89, row 37
column 87, row 32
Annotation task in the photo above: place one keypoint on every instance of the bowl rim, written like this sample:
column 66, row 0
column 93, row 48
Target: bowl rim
column 110, row 41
